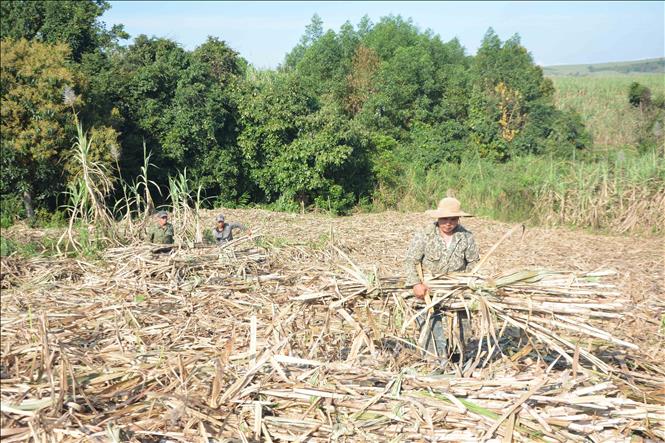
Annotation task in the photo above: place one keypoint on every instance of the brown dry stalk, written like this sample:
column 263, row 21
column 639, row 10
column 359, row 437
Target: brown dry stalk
column 279, row 344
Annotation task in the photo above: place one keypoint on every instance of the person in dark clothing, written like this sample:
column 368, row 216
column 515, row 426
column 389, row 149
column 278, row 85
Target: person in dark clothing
column 223, row 232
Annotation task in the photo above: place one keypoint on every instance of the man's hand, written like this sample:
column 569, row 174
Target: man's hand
column 420, row 290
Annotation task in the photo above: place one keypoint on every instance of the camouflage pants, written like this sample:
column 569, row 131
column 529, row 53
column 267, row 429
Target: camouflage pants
column 436, row 341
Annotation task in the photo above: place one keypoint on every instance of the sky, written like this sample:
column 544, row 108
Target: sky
column 555, row 33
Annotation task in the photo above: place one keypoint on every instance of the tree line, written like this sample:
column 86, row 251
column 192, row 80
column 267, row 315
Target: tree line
column 342, row 116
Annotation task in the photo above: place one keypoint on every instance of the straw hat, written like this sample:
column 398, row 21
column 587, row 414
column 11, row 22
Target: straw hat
column 448, row 207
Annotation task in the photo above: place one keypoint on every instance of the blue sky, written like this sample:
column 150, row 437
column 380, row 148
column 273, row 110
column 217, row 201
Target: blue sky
column 554, row 32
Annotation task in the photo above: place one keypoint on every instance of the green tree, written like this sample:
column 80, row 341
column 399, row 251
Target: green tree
column 402, row 91
column 301, row 149
column 182, row 104
column 75, row 23
column 34, row 117
column 271, row 117
column 321, row 68
column 202, row 120
column 140, row 82
column 390, row 34
column 511, row 107
column 417, row 97
column 313, row 31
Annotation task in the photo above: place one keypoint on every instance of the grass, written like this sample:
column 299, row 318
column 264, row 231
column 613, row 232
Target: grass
column 603, row 104
column 618, row 193
column 7, row 247
column 16, row 242
column 30, row 248
column 11, row 210
column 320, row 243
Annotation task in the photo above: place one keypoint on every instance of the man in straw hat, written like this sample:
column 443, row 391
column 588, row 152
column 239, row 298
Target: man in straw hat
column 442, row 247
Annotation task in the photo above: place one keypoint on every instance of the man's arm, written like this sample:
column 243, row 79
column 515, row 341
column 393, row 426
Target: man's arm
column 237, row 226
column 471, row 254
column 242, row 228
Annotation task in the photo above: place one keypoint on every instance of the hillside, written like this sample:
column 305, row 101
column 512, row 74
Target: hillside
column 602, row 102
column 648, row 66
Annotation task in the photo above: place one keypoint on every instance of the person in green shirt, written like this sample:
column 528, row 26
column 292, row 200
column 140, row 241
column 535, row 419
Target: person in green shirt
column 162, row 232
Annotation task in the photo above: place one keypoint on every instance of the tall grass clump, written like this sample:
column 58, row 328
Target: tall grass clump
column 620, row 193
column 134, row 208
column 87, row 195
column 617, row 193
column 186, row 203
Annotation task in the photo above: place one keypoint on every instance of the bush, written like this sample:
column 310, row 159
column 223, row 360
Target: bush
column 208, row 237
column 46, row 219
column 639, row 95
column 11, row 209
column 7, row 247
column 335, row 200
column 29, row 249
column 285, row 203
column 659, row 101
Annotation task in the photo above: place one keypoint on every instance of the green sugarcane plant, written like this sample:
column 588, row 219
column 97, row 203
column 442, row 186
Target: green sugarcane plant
column 87, row 195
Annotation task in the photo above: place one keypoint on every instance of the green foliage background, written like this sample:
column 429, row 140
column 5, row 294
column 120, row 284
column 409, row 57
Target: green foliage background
column 362, row 114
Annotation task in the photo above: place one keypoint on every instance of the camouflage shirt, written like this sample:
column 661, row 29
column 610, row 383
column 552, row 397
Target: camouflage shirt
column 161, row 234
column 428, row 248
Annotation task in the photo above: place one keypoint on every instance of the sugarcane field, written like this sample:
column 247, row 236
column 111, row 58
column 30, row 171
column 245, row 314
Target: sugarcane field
column 332, row 221
column 312, row 338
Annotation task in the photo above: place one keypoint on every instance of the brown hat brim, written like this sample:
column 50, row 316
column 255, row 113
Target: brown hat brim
column 436, row 213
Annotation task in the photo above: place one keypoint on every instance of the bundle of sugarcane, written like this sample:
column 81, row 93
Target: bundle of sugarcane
column 541, row 303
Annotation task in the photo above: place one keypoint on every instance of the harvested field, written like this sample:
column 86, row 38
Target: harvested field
column 302, row 333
